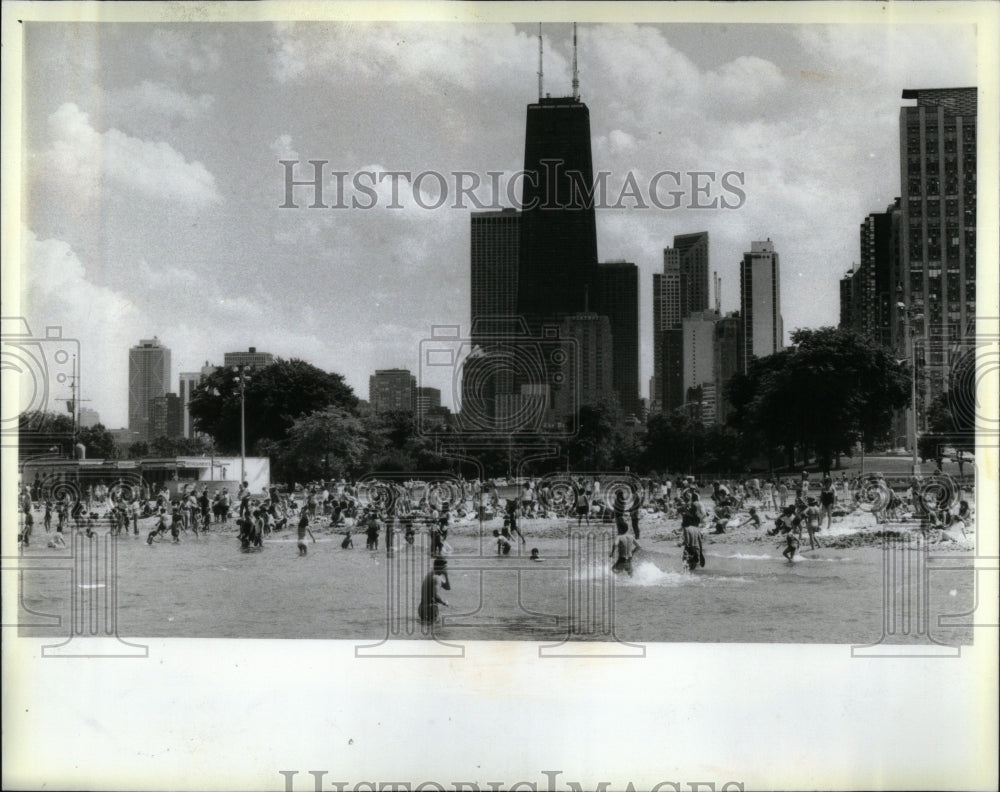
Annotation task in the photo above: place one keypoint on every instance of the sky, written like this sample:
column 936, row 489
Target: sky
column 153, row 187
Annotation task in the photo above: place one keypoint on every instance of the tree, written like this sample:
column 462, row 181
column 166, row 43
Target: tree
column 325, row 443
column 830, row 389
column 99, row 442
column 138, row 449
column 276, row 395
column 599, row 442
column 44, row 433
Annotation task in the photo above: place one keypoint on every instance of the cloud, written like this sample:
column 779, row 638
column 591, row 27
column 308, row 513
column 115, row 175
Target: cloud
column 89, row 161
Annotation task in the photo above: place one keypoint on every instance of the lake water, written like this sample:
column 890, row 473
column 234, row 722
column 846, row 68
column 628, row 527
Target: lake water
column 747, row 592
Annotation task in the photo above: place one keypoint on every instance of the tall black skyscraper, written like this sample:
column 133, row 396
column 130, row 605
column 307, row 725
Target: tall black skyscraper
column 558, row 258
column 617, row 297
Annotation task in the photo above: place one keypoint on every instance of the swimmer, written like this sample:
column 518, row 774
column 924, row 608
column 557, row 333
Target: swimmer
column 534, row 555
column 753, row 518
column 503, row 542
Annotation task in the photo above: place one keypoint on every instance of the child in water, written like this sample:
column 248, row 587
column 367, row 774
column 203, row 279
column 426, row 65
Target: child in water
column 624, row 547
column 791, row 545
column 303, row 530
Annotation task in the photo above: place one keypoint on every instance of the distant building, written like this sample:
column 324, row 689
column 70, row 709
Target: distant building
column 692, row 259
column 392, row 390
column 617, row 297
column 188, row 381
column 591, row 381
column 165, row 417
column 89, row 417
column 760, row 302
column 867, row 293
column 667, row 314
column 148, row 378
column 673, row 369
column 726, row 360
column 699, row 342
column 251, row 358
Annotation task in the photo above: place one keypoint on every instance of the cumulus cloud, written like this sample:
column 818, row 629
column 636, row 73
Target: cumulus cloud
column 89, row 160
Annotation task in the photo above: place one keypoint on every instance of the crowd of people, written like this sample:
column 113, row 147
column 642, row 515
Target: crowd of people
column 799, row 505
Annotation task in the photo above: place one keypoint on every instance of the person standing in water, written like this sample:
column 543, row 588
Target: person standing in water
column 624, row 547
column 303, row 530
column 435, row 580
column 694, row 554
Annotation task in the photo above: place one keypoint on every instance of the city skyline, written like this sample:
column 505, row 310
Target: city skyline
column 355, row 291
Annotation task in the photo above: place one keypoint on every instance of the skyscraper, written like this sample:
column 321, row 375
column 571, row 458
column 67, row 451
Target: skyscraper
column 187, row 382
column 495, row 245
column 148, row 377
column 165, row 418
column 760, row 302
column 937, row 231
column 667, row 314
column 591, row 381
column 867, row 294
column 692, row 258
column 249, row 358
column 617, row 297
column 726, row 360
column 494, row 252
column 558, row 250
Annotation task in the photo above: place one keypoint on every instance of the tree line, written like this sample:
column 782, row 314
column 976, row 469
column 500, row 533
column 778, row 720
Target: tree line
column 831, row 391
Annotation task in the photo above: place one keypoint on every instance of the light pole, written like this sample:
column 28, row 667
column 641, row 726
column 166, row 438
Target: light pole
column 908, row 317
column 241, row 379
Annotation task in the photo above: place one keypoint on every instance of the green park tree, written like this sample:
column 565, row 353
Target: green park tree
column 276, row 396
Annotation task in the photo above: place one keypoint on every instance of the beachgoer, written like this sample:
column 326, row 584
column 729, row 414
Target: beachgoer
column 624, row 547
column 811, row 516
column 791, row 545
column 827, row 498
column 303, row 530
column 429, row 597
column 694, row 553
column 582, row 507
column 534, row 555
column 753, row 518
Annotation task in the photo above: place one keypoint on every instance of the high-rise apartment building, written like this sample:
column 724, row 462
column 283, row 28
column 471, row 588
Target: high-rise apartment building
column 495, row 246
column 148, row 378
column 667, row 314
column 868, row 293
column 187, row 382
column 760, row 302
column 937, row 231
column 251, row 358
column 617, row 297
column 392, row 390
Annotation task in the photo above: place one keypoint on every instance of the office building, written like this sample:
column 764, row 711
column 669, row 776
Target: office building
column 251, row 358
column 937, row 230
column 667, row 314
column 760, row 302
column 591, row 380
column 148, row 378
column 165, row 417
column 672, row 366
column 187, row 382
column 617, row 297
column 392, row 390
column 558, row 238
column 692, row 260
column 726, row 361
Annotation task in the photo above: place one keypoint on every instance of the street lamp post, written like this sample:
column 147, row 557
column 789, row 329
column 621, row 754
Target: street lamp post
column 242, row 376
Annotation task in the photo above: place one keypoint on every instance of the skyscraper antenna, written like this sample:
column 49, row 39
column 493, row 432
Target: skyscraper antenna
column 539, row 60
column 576, row 74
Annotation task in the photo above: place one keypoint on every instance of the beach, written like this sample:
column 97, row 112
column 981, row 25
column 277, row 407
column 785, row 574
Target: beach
column 747, row 592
